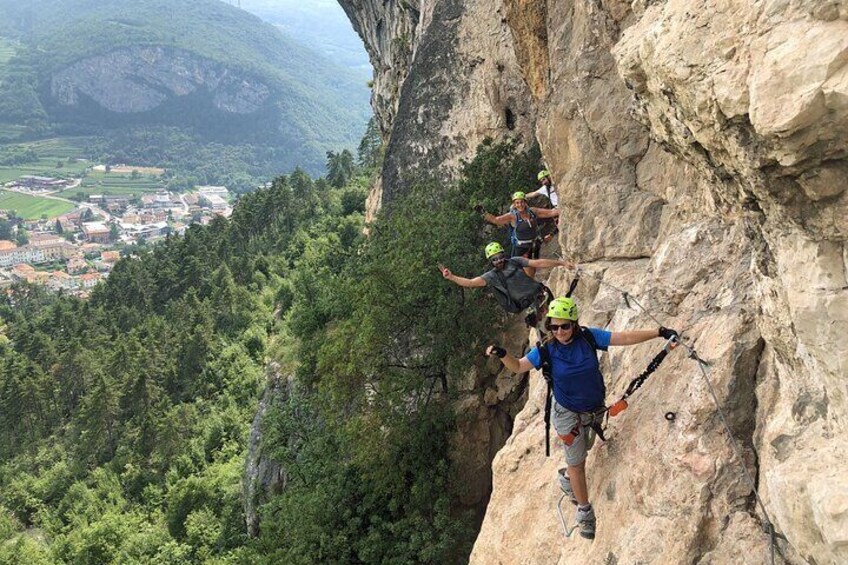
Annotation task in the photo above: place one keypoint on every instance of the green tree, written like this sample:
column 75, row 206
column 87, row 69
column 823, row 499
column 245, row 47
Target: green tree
column 340, row 168
column 22, row 237
column 5, row 229
column 370, row 148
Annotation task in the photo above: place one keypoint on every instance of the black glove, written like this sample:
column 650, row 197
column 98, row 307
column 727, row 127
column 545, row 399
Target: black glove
column 500, row 352
column 667, row 333
column 479, row 209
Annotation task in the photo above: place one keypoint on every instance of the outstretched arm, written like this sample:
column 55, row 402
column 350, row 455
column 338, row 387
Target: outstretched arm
column 545, row 263
column 638, row 336
column 501, row 220
column 515, row 365
column 462, row 281
column 545, row 213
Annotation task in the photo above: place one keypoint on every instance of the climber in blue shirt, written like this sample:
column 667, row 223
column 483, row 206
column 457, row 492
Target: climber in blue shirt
column 578, row 391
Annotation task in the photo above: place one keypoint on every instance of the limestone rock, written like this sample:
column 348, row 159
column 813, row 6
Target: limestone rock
column 139, row 79
column 446, row 77
column 699, row 148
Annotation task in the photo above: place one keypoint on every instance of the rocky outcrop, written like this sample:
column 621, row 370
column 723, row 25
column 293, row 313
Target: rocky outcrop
column 263, row 476
column 140, row 79
column 461, row 84
column 390, row 33
column 699, row 149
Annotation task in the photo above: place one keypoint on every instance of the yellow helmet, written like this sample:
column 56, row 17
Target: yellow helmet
column 563, row 309
column 493, row 249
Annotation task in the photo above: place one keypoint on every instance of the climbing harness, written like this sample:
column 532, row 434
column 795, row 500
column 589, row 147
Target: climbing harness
column 547, row 373
column 768, row 525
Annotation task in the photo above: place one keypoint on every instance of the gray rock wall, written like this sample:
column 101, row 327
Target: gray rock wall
column 699, row 149
column 141, row 78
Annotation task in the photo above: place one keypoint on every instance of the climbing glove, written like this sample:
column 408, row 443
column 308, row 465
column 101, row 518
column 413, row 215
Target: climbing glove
column 499, row 351
column 668, row 333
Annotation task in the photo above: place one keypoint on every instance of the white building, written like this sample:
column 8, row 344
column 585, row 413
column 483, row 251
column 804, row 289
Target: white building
column 208, row 191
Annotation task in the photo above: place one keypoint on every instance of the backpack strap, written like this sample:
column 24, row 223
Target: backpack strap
column 517, row 218
column 586, row 334
column 547, row 373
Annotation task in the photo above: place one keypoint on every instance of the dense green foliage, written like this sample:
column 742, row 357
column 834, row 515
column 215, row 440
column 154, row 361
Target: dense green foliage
column 123, row 419
column 315, row 105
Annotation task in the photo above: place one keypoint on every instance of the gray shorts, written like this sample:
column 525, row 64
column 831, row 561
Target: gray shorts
column 565, row 421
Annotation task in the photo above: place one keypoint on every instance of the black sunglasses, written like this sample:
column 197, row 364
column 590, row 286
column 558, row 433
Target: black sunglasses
column 565, row 326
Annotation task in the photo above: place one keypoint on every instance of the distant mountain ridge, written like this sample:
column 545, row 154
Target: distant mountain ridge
column 201, row 65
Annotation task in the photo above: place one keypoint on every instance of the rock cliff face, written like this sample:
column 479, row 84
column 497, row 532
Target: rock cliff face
column 700, row 150
column 445, row 77
column 263, row 476
column 139, row 79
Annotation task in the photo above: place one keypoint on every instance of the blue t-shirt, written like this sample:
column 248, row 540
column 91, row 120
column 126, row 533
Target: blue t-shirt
column 578, row 383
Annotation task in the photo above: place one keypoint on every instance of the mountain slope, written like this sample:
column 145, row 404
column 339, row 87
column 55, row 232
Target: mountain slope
column 198, row 64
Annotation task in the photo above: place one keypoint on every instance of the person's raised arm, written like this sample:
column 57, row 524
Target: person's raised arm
column 515, row 365
column 546, row 213
column 545, row 263
column 639, row 336
column 462, row 281
column 501, row 220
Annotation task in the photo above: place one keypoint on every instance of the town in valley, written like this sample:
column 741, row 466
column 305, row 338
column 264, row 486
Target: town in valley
column 84, row 231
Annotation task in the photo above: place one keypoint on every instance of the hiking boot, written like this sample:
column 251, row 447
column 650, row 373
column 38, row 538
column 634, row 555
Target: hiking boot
column 565, row 485
column 586, row 520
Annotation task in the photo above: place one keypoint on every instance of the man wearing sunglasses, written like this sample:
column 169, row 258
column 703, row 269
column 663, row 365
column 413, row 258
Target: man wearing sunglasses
column 578, row 391
column 508, row 279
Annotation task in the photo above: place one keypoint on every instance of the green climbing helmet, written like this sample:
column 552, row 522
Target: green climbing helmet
column 542, row 174
column 518, row 195
column 493, row 249
column 563, row 309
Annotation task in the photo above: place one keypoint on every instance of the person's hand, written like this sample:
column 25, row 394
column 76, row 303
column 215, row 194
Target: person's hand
column 548, row 237
column 568, row 265
column 445, row 271
column 668, row 333
column 496, row 350
column 479, row 209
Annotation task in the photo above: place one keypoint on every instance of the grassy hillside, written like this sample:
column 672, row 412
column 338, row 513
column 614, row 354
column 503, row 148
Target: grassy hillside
column 315, row 104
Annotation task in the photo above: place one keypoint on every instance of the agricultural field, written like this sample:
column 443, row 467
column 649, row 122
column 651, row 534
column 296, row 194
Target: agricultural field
column 33, row 207
column 59, row 147
column 112, row 183
column 10, row 132
column 43, row 168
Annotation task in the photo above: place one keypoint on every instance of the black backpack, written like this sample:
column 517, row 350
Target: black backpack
column 528, row 292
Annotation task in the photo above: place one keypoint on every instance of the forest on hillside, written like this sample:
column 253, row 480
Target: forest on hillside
column 124, row 418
